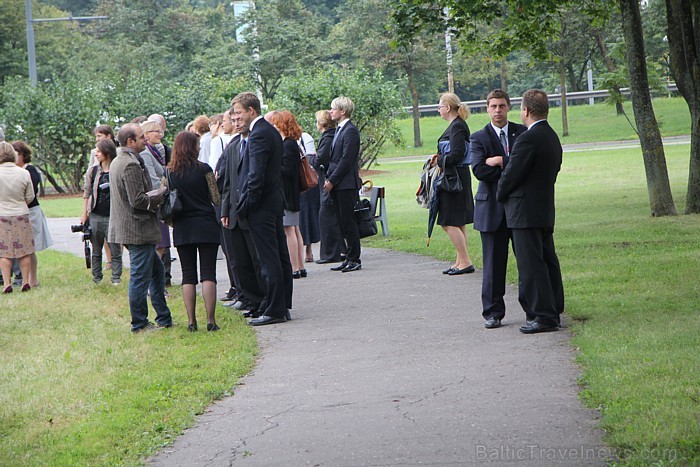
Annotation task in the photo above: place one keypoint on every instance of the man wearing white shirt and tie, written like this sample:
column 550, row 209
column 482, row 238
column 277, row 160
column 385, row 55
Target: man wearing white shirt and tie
column 490, row 148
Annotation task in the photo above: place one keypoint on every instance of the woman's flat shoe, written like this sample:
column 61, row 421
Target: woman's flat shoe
column 296, row 275
column 212, row 327
column 303, row 273
column 309, row 259
column 26, row 288
column 448, row 270
column 7, row 289
column 191, row 327
column 468, row 270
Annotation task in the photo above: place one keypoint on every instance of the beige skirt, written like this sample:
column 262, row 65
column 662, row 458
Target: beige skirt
column 16, row 236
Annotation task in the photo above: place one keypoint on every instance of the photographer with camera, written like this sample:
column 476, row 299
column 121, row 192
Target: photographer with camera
column 95, row 218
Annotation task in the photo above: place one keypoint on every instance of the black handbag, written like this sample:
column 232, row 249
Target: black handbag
column 172, row 204
column 449, row 181
column 366, row 224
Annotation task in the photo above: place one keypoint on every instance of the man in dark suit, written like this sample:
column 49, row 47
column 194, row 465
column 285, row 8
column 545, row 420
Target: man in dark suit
column 246, row 270
column 343, row 179
column 261, row 205
column 490, row 149
column 526, row 188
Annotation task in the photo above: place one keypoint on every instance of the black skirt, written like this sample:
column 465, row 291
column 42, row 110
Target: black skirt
column 457, row 209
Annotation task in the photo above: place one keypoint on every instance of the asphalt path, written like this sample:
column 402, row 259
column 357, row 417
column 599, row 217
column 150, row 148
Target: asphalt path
column 391, row 365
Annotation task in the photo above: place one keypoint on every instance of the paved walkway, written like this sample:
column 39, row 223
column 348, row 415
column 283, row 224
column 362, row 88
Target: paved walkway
column 391, row 365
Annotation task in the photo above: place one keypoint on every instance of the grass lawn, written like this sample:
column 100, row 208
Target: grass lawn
column 632, row 294
column 586, row 124
column 76, row 388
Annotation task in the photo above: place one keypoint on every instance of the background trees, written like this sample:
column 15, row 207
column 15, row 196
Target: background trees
column 188, row 56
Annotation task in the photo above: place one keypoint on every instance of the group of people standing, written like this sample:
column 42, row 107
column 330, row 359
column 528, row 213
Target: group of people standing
column 237, row 180
column 517, row 167
column 23, row 226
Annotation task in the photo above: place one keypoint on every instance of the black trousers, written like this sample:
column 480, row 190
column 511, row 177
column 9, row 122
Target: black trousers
column 244, row 261
column 494, row 248
column 332, row 241
column 270, row 243
column 540, row 274
column 345, row 201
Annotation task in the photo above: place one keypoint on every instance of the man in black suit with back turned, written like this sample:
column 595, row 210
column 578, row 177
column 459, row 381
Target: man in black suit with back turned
column 490, row 149
column 526, row 188
column 261, row 205
column 236, row 234
column 343, row 179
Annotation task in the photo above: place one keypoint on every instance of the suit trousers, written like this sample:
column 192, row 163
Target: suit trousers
column 332, row 243
column 540, row 275
column 226, row 247
column 344, row 201
column 245, row 263
column 270, row 243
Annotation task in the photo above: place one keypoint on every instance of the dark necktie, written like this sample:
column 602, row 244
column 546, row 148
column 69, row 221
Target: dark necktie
column 244, row 143
column 504, row 142
column 335, row 136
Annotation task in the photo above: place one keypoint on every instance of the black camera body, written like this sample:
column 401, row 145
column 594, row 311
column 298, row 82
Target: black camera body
column 85, row 237
column 84, row 228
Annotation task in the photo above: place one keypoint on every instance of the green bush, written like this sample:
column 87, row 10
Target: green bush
column 376, row 100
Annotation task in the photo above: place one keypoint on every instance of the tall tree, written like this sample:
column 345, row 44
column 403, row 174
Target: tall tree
column 658, row 185
column 684, row 43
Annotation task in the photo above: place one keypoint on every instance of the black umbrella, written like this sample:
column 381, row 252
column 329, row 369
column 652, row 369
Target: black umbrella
column 433, row 207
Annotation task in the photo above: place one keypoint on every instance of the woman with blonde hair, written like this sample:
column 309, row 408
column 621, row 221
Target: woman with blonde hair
column 16, row 233
column 456, row 208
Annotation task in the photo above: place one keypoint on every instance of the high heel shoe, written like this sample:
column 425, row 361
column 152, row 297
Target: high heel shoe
column 303, row 273
column 7, row 289
column 26, row 288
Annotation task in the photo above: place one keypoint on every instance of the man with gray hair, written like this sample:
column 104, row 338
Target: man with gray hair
column 343, row 179
column 134, row 224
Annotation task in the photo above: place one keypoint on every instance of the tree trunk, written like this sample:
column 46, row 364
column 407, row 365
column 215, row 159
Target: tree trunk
column 51, row 179
column 610, row 65
column 684, row 45
column 504, row 75
column 658, row 186
column 415, row 99
column 564, row 117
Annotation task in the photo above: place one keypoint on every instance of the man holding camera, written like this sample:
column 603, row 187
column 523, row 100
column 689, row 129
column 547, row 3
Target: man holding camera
column 134, row 224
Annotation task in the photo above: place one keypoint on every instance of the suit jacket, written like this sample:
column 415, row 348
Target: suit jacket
column 343, row 168
column 291, row 159
column 260, row 170
column 230, row 193
column 526, row 186
column 489, row 214
column 133, row 218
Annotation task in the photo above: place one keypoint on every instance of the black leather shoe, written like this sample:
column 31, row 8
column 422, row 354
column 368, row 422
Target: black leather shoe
column 328, row 261
column 536, row 327
column 296, row 275
column 304, row 273
column 492, row 323
column 252, row 314
column 264, row 320
column 448, row 270
column 352, row 266
column 340, row 267
column 212, row 327
column 468, row 270
column 288, row 316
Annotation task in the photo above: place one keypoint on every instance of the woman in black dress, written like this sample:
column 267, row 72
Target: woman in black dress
column 195, row 228
column 456, row 209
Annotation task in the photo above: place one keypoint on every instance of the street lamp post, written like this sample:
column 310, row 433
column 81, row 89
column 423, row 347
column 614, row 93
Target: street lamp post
column 31, row 52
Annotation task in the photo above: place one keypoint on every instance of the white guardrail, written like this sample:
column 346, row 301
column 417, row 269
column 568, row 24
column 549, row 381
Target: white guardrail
column 554, row 99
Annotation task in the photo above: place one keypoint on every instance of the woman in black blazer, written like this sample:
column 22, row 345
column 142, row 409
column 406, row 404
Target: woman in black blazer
column 456, row 208
column 195, row 227
column 290, row 131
